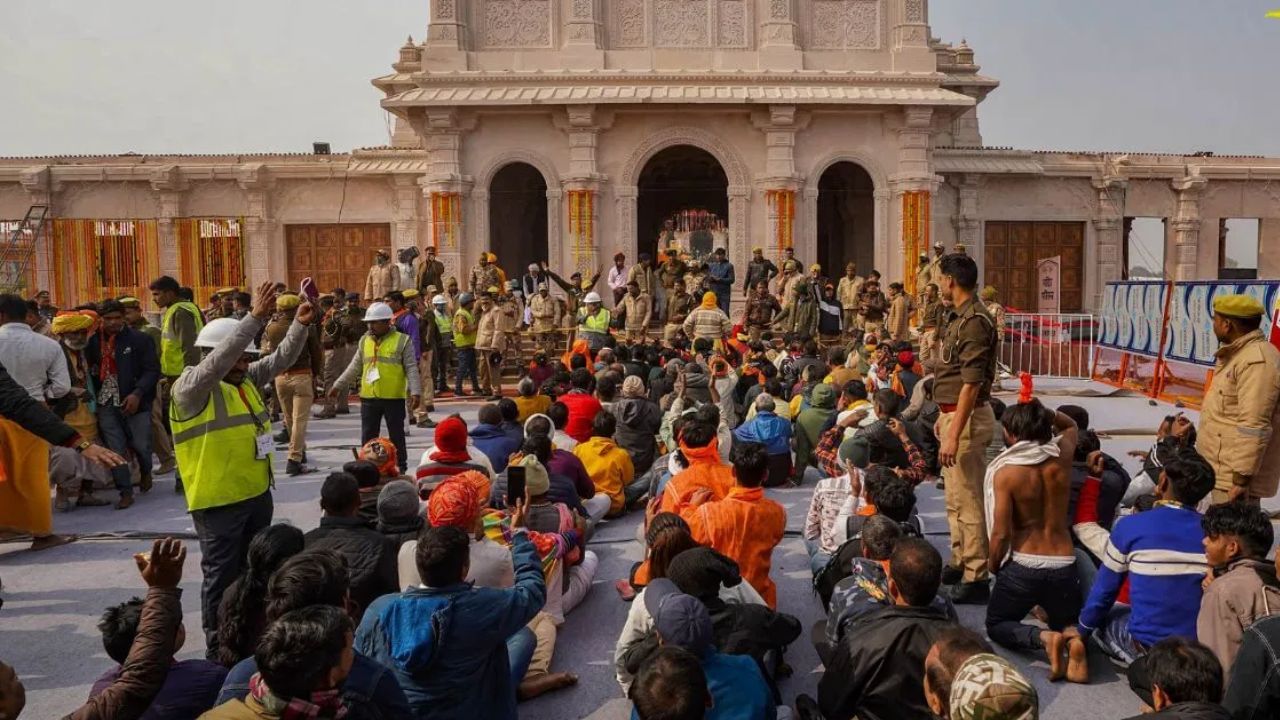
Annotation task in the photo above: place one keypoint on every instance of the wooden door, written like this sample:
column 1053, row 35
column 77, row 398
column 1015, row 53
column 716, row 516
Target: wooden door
column 1012, row 250
column 334, row 255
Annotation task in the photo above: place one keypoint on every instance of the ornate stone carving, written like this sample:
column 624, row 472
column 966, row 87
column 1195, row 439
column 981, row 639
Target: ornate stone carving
column 582, row 8
column 845, row 24
column 629, row 25
column 914, row 11
column 779, row 9
column 681, row 23
column 516, row 23
column 732, row 24
column 444, row 9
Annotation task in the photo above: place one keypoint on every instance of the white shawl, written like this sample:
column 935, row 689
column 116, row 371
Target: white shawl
column 1020, row 453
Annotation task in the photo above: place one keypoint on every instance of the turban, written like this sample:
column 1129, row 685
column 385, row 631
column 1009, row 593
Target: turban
column 71, row 322
column 382, row 453
column 451, row 441
column 1232, row 306
column 709, row 300
column 288, row 301
column 988, row 293
column 410, row 294
column 632, row 387
column 452, row 503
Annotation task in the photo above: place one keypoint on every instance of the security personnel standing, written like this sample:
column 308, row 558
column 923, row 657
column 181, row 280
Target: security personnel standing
column 222, row 438
column 443, row 320
column 1242, row 408
column 337, row 353
column 180, row 323
column 465, row 327
column 387, row 367
column 964, row 373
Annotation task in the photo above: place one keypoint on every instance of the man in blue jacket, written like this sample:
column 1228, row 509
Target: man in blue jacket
column 1161, row 552
column 125, row 370
column 458, row 651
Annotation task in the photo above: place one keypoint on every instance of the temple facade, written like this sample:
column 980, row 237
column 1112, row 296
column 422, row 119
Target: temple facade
column 571, row 130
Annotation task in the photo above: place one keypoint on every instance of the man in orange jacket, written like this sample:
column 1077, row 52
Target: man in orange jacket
column 704, row 471
column 745, row 525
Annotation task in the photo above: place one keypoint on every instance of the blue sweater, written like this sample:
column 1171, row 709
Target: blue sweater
column 738, row 689
column 1162, row 554
column 448, row 646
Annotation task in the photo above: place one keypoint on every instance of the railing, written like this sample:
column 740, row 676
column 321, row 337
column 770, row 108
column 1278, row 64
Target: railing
column 1049, row 345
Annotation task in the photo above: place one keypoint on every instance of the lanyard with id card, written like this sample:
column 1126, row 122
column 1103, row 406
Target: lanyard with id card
column 265, row 444
column 371, row 375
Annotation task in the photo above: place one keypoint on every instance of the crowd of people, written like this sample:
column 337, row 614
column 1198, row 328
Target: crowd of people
column 437, row 589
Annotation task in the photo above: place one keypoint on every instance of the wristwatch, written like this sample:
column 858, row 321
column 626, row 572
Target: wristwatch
column 83, row 445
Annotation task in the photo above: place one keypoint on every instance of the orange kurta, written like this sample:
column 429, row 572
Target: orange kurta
column 24, row 481
column 705, row 471
column 745, row 526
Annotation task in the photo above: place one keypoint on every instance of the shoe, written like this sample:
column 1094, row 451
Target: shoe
column 428, row 408
column 326, row 414
column 952, row 575
column 63, row 504
column 145, row 483
column 125, row 502
column 294, row 468
column 91, row 501
column 282, row 436
column 970, row 593
column 426, row 423
column 940, row 484
column 166, row 468
column 177, row 486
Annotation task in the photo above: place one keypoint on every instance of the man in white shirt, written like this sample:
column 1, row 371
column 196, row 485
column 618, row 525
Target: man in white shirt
column 34, row 361
column 618, row 278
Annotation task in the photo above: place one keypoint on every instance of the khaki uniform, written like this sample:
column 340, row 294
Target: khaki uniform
column 340, row 333
column 483, row 278
column 871, row 311
column 646, row 277
column 967, row 357
column 1240, row 412
column 638, row 311
column 381, row 280
column 678, row 308
column 295, row 386
column 899, row 322
column 930, row 319
column 490, row 339
column 847, row 293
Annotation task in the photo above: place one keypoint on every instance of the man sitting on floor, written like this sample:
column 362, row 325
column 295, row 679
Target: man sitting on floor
column 1243, row 587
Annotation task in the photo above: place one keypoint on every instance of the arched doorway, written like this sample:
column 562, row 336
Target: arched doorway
column 518, row 217
column 684, row 193
column 846, row 219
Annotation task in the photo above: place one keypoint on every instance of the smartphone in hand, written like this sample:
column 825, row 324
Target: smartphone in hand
column 515, row 485
column 309, row 290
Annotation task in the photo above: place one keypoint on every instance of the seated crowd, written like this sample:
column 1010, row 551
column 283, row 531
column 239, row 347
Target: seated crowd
column 441, row 596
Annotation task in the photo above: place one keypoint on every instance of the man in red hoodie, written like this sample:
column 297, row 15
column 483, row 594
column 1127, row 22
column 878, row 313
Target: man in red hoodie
column 703, row 469
column 583, row 406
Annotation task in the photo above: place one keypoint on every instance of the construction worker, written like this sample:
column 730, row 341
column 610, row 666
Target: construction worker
column 388, row 372
column 180, row 324
column 593, row 321
column 443, row 320
column 464, row 339
column 222, row 437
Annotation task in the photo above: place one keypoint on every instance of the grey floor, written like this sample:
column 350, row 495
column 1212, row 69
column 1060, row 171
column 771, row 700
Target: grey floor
column 53, row 598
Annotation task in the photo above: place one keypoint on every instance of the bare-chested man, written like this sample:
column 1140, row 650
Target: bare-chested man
column 1028, row 488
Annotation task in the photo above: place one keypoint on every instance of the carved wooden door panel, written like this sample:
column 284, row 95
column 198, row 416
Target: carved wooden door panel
column 334, row 255
column 1012, row 249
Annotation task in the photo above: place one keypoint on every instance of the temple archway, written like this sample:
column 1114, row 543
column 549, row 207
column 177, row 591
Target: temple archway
column 518, row 217
column 846, row 219
column 683, row 196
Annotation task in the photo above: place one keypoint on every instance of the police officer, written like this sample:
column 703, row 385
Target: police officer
column 222, row 439
column 387, row 367
column 962, row 382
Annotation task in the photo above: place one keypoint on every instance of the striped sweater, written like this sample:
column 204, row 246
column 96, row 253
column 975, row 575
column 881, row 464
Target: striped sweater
column 1160, row 552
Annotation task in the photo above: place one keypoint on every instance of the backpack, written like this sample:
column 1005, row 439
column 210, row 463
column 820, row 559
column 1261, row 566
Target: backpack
column 838, row 567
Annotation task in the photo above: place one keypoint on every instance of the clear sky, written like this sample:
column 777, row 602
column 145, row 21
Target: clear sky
column 87, row 76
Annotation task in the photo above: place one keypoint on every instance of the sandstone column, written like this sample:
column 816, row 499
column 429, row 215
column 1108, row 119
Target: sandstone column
column 1186, row 228
column 262, row 232
column 914, row 176
column 578, row 246
column 447, row 191
column 1108, row 229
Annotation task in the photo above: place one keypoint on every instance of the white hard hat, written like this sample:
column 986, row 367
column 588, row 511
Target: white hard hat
column 219, row 331
column 592, row 297
column 378, row 311
column 439, row 300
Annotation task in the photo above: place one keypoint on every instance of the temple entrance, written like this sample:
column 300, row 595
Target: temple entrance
column 518, row 217
column 846, row 219
column 684, row 199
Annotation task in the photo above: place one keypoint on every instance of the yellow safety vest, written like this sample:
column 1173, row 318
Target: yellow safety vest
column 383, row 353
column 461, row 339
column 217, row 448
column 598, row 323
column 171, row 362
column 444, row 322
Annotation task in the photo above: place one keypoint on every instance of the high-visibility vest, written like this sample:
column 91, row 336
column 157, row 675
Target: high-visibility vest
column 171, row 362
column 217, row 449
column 598, row 323
column 384, row 353
column 461, row 339
column 443, row 322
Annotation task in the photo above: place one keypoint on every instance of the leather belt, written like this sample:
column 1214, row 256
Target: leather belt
column 297, row 371
column 948, row 407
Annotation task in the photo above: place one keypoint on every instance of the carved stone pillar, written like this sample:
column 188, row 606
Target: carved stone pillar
column 582, row 205
column 966, row 221
column 405, row 226
column 582, row 27
column 910, row 25
column 915, row 174
column 555, row 243
column 1108, row 229
column 448, row 191
column 171, row 186
column 266, row 250
column 739, row 235
column 448, row 28
column 807, row 223
column 1186, row 227
column 884, row 221
column 779, row 37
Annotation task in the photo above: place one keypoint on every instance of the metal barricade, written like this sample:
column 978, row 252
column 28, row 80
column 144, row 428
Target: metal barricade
column 1049, row 345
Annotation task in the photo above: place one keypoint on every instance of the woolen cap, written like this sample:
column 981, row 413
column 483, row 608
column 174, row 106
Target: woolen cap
column 398, row 502
column 1238, row 306
column 701, row 571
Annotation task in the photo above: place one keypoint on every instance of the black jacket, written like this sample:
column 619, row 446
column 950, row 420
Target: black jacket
column 370, row 555
column 17, row 406
column 1253, row 690
column 401, row 533
column 638, row 422
column 877, row 672
column 137, row 365
column 1193, row 711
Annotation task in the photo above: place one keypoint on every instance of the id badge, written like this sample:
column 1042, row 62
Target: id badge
column 372, row 376
column 266, row 446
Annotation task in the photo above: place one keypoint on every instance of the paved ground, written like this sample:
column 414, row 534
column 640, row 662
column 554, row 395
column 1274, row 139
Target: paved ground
column 53, row 598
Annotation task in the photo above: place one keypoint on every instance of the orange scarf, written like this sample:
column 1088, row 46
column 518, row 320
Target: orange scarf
column 709, row 301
